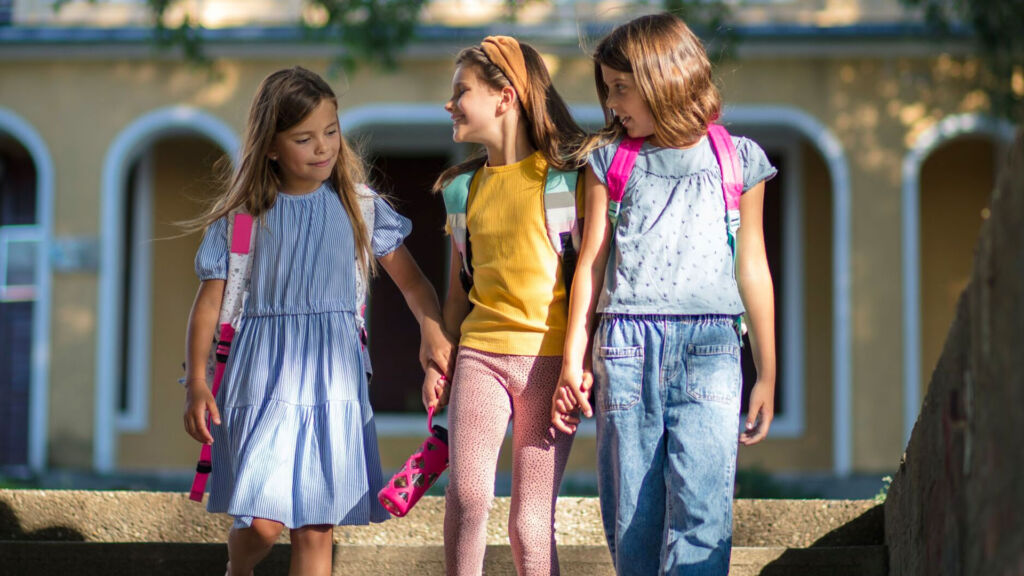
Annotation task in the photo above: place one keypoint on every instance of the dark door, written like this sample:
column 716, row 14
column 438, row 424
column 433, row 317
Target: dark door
column 394, row 333
column 18, row 242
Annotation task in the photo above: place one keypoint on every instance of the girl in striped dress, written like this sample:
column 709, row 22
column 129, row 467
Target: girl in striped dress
column 293, row 437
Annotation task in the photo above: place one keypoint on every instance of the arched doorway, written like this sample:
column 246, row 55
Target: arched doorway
column 26, row 205
column 113, row 319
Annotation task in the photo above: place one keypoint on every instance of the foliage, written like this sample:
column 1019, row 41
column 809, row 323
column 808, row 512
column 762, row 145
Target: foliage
column 883, row 492
column 376, row 31
column 996, row 29
column 371, row 30
column 709, row 19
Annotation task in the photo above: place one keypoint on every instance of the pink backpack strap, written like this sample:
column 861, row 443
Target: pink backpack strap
column 732, row 189
column 618, row 173
column 241, row 240
column 729, row 162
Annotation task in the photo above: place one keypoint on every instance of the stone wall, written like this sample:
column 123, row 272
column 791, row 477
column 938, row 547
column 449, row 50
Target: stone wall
column 955, row 506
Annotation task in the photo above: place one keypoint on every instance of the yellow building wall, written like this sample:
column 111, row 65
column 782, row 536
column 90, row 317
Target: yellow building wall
column 873, row 107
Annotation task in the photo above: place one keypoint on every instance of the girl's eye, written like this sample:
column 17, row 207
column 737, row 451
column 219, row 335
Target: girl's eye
column 302, row 141
column 332, row 131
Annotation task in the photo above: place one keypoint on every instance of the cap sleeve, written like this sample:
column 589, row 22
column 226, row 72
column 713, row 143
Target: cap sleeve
column 756, row 167
column 212, row 257
column 601, row 159
column 389, row 228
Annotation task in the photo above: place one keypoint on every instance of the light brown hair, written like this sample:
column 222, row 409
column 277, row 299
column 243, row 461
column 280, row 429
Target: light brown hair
column 282, row 101
column 672, row 73
column 550, row 126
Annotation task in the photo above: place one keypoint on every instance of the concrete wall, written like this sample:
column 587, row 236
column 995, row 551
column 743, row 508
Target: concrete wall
column 954, row 506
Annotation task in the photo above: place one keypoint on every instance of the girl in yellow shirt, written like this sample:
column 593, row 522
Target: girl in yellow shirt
column 511, row 322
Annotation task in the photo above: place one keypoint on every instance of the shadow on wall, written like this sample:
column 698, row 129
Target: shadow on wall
column 11, row 529
column 856, row 548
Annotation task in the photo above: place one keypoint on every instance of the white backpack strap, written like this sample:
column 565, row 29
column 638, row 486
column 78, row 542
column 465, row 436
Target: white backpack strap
column 242, row 238
column 456, row 195
column 365, row 197
column 560, row 209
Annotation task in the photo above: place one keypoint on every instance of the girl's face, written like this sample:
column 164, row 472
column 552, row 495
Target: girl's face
column 308, row 151
column 474, row 108
column 625, row 102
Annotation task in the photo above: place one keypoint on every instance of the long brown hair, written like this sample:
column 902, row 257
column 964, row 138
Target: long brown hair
column 282, row 101
column 672, row 73
column 550, row 126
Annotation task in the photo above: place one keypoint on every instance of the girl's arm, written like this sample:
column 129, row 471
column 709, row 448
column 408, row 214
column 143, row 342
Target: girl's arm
column 456, row 307
column 576, row 378
column 755, row 285
column 422, row 301
column 202, row 324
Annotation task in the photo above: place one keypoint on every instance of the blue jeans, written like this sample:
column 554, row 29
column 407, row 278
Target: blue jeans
column 667, row 395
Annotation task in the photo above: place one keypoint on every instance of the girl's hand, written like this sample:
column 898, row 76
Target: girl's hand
column 572, row 395
column 435, row 347
column 760, row 414
column 199, row 401
column 435, row 389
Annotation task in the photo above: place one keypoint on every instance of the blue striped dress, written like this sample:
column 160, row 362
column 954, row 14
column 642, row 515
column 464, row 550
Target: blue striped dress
column 297, row 442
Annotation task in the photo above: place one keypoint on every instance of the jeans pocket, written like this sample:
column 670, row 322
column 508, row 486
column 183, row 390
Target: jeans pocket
column 713, row 372
column 619, row 370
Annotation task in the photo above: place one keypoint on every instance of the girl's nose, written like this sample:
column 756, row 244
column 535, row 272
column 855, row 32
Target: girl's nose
column 448, row 106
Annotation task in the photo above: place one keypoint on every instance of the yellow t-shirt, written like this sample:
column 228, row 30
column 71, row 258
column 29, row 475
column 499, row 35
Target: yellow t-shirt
column 518, row 296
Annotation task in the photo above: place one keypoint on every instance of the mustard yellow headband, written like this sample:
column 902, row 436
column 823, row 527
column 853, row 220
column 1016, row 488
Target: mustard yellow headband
column 505, row 53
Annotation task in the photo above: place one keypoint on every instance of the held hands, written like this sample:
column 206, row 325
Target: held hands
column 760, row 413
column 436, row 390
column 435, row 347
column 199, row 401
column 572, row 395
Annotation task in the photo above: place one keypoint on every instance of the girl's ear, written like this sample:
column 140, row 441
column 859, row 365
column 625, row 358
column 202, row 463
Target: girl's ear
column 509, row 99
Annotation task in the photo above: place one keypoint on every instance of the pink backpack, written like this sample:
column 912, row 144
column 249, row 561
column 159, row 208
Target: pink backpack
column 241, row 232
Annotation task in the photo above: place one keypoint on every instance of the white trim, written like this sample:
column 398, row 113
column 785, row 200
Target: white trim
column 39, row 394
column 138, row 136
column 941, row 132
column 137, row 344
column 770, row 116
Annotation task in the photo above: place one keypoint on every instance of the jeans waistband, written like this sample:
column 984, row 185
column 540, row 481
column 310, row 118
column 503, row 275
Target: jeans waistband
column 679, row 318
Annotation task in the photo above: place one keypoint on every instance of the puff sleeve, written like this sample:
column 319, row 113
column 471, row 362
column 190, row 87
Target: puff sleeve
column 389, row 228
column 212, row 256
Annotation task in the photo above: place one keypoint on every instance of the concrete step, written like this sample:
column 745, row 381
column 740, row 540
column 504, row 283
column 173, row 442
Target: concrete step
column 156, row 533
column 118, row 516
column 28, row 558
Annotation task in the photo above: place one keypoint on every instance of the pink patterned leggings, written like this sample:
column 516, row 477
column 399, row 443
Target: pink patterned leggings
column 487, row 390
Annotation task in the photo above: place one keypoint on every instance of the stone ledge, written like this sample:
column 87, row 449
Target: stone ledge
column 172, row 559
column 112, row 516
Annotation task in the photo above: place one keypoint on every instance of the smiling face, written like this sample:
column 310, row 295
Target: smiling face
column 473, row 108
column 625, row 101
column 307, row 152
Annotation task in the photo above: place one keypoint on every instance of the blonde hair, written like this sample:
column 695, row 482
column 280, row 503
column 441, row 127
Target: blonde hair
column 550, row 126
column 672, row 73
column 282, row 101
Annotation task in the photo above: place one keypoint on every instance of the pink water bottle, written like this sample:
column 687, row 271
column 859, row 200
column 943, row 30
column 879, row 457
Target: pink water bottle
column 419, row 473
